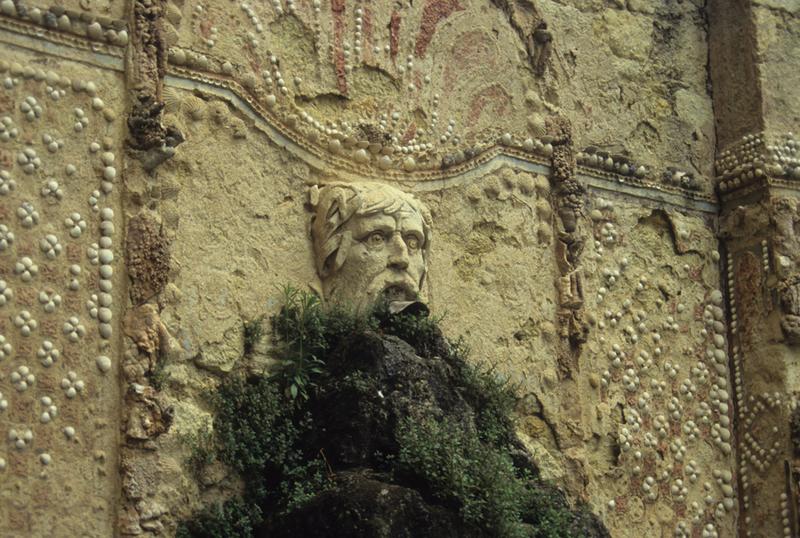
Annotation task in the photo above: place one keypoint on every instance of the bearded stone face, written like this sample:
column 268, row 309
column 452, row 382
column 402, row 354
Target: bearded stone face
column 380, row 246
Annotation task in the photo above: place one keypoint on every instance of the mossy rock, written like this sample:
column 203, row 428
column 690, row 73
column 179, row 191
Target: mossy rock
column 364, row 504
column 391, row 434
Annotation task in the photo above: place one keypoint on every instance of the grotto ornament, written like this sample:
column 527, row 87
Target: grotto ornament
column 371, row 241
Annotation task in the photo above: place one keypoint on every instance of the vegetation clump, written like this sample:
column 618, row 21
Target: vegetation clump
column 253, row 333
column 375, row 425
column 465, row 473
column 233, row 518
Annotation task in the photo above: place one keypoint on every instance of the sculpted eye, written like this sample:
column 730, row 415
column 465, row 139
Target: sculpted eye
column 412, row 242
column 375, row 239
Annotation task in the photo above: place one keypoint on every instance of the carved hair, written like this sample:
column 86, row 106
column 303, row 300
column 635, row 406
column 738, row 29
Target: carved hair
column 335, row 204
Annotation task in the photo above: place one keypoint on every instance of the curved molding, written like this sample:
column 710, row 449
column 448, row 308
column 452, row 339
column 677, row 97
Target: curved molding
column 61, row 44
column 487, row 162
column 27, row 36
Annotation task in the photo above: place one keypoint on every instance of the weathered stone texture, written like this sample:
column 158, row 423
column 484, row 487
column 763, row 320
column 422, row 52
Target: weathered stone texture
column 147, row 258
column 779, row 63
column 579, row 159
column 632, row 79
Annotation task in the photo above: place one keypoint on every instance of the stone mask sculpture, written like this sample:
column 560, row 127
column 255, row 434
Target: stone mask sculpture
column 370, row 241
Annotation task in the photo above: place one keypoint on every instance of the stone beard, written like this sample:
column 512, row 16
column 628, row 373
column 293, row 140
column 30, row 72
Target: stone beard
column 370, row 241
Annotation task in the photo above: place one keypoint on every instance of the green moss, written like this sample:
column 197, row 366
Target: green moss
column 492, row 400
column 254, row 428
column 342, row 323
column 202, row 450
column 547, row 510
column 158, row 376
column 480, row 480
column 257, row 435
column 233, row 518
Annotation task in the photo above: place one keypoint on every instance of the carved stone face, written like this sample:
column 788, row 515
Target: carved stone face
column 370, row 240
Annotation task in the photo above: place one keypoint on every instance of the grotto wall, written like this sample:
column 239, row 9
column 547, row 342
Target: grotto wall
column 756, row 112
column 63, row 144
column 612, row 191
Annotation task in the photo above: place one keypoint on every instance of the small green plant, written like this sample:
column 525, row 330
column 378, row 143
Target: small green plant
column 341, row 323
column 257, row 434
column 234, row 518
column 299, row 334
column 492, row 400
column 546, row 508
column 159, row 375
column 202, row 449
column 255, row 429
column 253, row 333
column 420, row 330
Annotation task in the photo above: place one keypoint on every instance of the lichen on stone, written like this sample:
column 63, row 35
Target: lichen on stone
column 148, row 257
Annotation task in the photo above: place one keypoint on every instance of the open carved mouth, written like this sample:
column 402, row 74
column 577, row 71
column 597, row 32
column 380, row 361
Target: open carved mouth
column 399, row 292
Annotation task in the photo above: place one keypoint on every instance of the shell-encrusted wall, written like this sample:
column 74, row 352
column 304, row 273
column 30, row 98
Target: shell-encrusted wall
column 658, row 405
column 61, row 163
column 413, row 88
column 593, row 243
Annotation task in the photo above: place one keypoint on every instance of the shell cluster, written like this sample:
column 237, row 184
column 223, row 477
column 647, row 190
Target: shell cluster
column 592, row 157
column 71, row 385
column 74, row 329
column 6, row 349
column 625, row 169
column 680, row 178
column 27, row 215
column 49, row 410
column 6, row 293
column 96, row 28
column 754, row 157
column 50, row 300
column 20, row 439
column 22, row 378
column 48, row 354
column 7, row 183
column 25, row 323
column 26, row 269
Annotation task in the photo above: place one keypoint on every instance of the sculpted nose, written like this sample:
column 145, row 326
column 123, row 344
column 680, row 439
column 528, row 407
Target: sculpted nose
column 398, row 253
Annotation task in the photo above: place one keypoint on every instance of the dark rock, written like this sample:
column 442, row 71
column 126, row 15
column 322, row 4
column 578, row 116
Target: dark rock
column 378, row 380
column 366, row 505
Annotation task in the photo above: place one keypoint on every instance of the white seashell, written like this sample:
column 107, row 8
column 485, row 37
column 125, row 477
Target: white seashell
column 95, row 31
column 103, row 364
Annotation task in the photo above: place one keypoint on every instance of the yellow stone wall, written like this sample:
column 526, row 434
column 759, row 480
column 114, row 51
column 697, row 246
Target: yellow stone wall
column 502, row 117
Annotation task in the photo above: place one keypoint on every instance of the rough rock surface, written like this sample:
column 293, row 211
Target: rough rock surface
column 365, row 505
column 377, row 381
